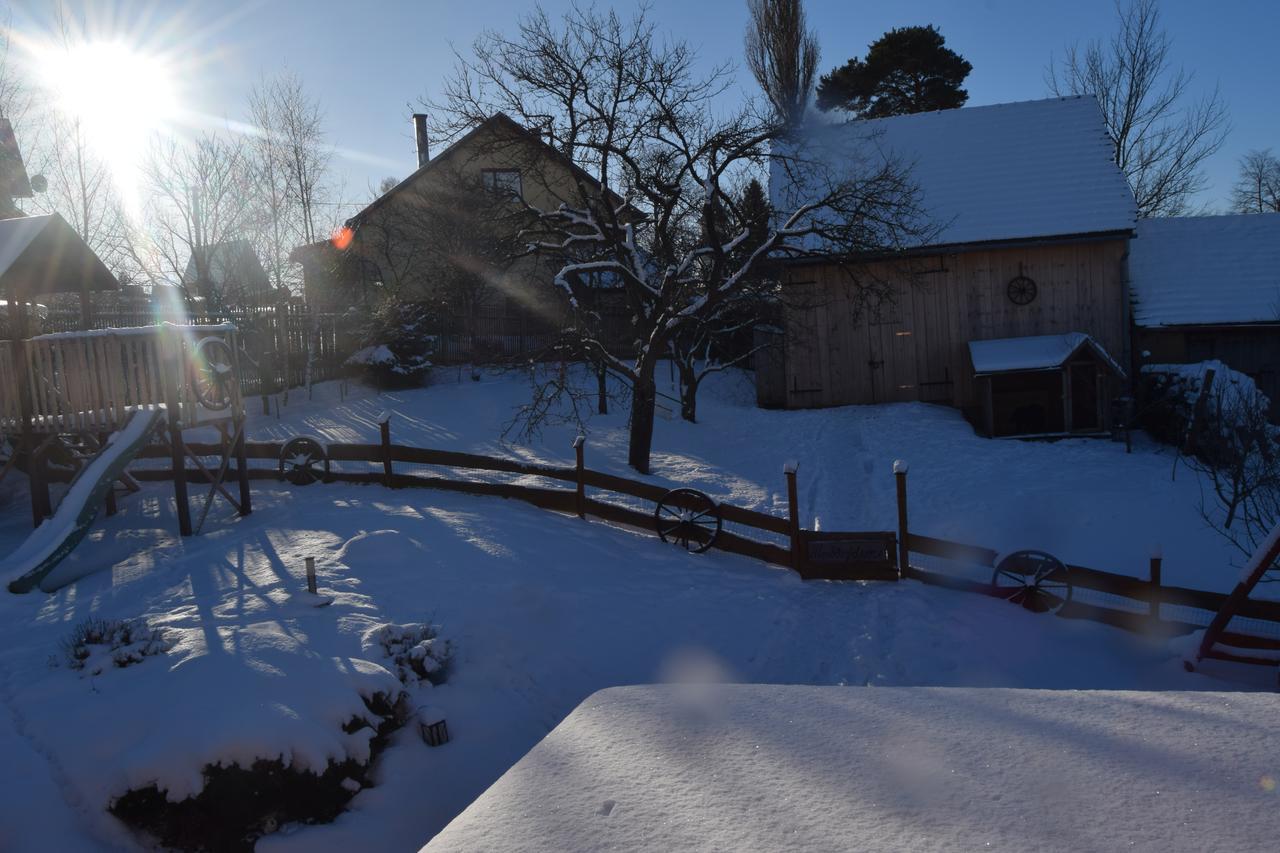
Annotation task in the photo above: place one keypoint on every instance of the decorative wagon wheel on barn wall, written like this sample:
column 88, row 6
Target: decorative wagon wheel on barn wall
column 1037, row 580
column 1021, row 290
column 303, row 461
column 213, row 374
column 689, row 518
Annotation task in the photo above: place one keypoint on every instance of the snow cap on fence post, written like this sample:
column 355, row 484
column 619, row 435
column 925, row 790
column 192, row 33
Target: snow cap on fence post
column 384, row 417
column 579, row 440
column 790, row 466
column 899, row 466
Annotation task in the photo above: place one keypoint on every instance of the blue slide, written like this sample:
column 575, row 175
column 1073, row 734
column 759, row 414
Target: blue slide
column 30, row 565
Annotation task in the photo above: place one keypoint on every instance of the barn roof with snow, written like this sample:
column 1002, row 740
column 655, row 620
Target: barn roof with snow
column 992, row 174
column 1206, row 270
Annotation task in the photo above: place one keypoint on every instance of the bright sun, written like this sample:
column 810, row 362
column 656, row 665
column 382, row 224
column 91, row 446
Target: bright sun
column 120, row 95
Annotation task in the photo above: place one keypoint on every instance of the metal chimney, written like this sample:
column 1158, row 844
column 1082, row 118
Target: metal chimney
column 420, row 136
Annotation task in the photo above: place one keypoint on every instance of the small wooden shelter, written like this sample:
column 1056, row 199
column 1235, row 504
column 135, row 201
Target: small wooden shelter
column 41, row 256
column 1044, row 385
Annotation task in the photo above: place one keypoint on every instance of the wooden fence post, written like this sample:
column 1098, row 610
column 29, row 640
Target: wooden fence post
column 1156, row 566
column 384, row 428
column 793, row 512
column 904, row 536
column 580, row 496
column 171, row 358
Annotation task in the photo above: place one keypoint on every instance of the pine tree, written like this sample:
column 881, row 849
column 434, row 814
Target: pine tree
column 907, row 70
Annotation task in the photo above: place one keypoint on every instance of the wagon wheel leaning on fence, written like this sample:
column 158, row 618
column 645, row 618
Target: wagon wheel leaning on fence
column 689, row 518
column 213, row 374
column 1036, row 580
column 303, row 461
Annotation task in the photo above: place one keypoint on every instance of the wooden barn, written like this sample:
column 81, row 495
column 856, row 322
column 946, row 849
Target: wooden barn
column 1031, row 221
column 1208, row 287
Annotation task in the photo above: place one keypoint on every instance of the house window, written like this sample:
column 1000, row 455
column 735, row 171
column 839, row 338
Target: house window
column 502, row 181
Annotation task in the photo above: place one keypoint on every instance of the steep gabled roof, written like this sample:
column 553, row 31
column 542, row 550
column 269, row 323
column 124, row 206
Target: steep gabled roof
column 498, row 119
column 1009, row 172
column 1206, row 270
column 40, row 255
column 231, row 262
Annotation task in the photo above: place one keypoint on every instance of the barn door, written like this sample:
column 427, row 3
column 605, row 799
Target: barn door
column 891, row 358
column 806, row 346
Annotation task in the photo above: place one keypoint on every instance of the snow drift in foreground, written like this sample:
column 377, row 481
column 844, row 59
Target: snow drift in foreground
column 823, row 768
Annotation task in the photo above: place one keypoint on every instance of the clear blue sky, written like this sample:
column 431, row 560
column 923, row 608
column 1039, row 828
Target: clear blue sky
column 369, row 60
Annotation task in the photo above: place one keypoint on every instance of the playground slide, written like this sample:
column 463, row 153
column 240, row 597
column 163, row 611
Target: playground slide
column 30, row 565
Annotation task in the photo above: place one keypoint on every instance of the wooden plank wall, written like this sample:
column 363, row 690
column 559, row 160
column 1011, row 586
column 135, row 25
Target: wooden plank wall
column 899, row 331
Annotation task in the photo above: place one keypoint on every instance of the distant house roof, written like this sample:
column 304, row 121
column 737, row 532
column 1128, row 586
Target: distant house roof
column 1009, row 172
column 232, row 264
column 14, row 182
column 41, row 255
column 1206, row 270
column 498, row 119
column 1035, row 352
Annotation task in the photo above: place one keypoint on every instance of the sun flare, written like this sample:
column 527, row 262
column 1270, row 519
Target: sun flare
column 121, row 96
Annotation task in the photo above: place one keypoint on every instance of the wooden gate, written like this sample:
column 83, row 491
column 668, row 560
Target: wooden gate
column 847, row 556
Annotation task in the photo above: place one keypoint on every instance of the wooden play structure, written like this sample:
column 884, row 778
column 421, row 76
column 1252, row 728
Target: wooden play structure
column 78, row 407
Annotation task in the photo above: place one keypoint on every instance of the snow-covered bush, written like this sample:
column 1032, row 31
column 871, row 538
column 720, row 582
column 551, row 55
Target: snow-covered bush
column 98, row 644
column 1173, row 391
column 1230, row 440
column 417, row 650
column 396, row 345
column 238, row 805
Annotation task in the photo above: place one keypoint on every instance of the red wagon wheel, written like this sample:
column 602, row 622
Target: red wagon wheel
column 1037, row 580
column 689, row 518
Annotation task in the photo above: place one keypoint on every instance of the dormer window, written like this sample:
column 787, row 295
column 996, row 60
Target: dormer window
column 505, row 182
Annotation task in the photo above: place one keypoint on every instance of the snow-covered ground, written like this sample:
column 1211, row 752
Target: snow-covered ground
column 753, row 767
column 1085, row 500
column 544, row 609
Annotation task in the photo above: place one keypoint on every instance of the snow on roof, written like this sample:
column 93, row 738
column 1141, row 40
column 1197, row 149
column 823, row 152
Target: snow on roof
column 1003, row 172
column 773, row 767
column 42, row 254
column 1203, row 270
column 1036, row 352
column 17, row 234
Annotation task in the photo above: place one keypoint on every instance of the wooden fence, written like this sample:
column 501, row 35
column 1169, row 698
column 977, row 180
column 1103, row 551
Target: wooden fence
column 282, row 346
column 747, row 532
column 1144, row 605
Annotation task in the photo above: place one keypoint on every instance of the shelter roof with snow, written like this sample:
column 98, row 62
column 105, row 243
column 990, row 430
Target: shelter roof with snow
column 991, row 174
column 1035, row 352
column 1206, row 270
column 42, row 255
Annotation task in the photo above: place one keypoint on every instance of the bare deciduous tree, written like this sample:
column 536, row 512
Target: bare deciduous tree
column 1257, row 190
column 201, row 196
column 1161, row 136
column 289, row 165
column 783, row 55
column 80, row 187
column 629, row 109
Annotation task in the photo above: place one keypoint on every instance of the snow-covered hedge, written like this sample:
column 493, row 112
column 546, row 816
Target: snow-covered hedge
column 1173, row 391
column 396, row 345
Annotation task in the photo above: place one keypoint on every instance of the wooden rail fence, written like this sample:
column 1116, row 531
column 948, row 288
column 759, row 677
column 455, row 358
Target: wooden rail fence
column 1143, row 605
column 1132, row 603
